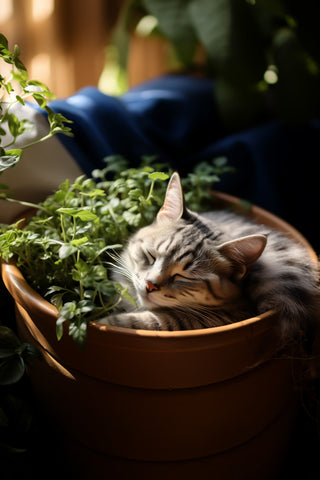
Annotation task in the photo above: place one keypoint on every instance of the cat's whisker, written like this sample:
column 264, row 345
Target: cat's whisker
column 123, row 272
column 121, row 268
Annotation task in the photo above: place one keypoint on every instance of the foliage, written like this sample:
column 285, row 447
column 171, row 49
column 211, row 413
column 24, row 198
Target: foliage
column 198, row 183
column 262, row 54
column 69, row 240
column 13, row 355
column 16, row 418
column 17, row 88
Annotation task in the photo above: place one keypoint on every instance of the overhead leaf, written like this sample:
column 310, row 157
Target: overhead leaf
column 220, row 25
column 174, row 21
column 212, row 22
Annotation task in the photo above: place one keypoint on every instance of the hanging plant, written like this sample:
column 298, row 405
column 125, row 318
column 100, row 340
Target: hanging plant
column 263, row 56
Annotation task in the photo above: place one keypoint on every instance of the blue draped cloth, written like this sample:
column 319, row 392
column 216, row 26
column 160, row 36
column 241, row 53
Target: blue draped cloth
column 175, row 118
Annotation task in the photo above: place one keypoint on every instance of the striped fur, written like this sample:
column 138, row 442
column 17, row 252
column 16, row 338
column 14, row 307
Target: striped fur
column 189, row 271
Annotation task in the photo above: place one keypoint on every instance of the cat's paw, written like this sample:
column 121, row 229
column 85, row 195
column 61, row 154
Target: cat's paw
column 138, row 320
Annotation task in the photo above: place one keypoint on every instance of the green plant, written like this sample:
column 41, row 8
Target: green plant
column 198, row 183
column 263, row 55
column 13, row 355
column 15, row 88
column 69, row 240
column 16, row 418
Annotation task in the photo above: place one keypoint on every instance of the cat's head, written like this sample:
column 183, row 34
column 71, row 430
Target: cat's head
column 178, row 260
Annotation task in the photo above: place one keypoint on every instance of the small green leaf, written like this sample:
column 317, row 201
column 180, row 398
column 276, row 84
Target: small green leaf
column 82, row 266
column 57, row 300
column 3, row 41
column 84, row 215
column 78, row 331
column 15, row 152
column 97, row 192
column 13, row 124
column 66, row 250
column 59, row 327
column 19, row 65
column 40, row 99
column 20, row 100
column 128, row 297
column 158, row 176
column 85, row 306
column 135, row 194
column 133, row 219
column 20, row 76
column 53, row 289
column 10, row 159
column 79, row 241
column 16, row 51
column 68, row 310
column 220, row 162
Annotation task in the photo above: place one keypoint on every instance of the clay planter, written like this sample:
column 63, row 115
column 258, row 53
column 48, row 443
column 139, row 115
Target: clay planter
column 217, row 403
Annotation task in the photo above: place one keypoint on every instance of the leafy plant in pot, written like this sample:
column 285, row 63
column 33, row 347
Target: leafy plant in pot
column 203, row 402
column 233, row 369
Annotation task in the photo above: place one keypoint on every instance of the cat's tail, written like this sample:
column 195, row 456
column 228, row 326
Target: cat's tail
column 295, row 296
column 291, row 288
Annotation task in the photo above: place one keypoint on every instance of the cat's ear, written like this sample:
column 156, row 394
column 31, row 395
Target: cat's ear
column 173, row 207
column 243, row 252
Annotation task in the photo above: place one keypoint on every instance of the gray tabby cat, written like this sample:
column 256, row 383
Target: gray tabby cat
column 188, row 271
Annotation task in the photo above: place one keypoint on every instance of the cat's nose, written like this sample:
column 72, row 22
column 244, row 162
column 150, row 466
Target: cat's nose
column 150, row 287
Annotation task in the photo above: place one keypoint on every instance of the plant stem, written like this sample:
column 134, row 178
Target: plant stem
column 40, row 140
column 62, row 229
column 25, row 204
column 104, row 310
column 150, row 191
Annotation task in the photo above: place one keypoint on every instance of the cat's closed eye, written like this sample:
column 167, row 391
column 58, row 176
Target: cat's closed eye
column 188, row 265
column 178, row 277
column 148, row 257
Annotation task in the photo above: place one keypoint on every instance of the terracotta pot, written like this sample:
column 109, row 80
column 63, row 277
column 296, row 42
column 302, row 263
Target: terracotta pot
column 217, row 403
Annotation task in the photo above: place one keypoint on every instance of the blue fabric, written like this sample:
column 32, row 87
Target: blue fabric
column 175, row 118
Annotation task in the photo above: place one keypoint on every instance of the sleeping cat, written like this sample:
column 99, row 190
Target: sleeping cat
column 188, row 271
